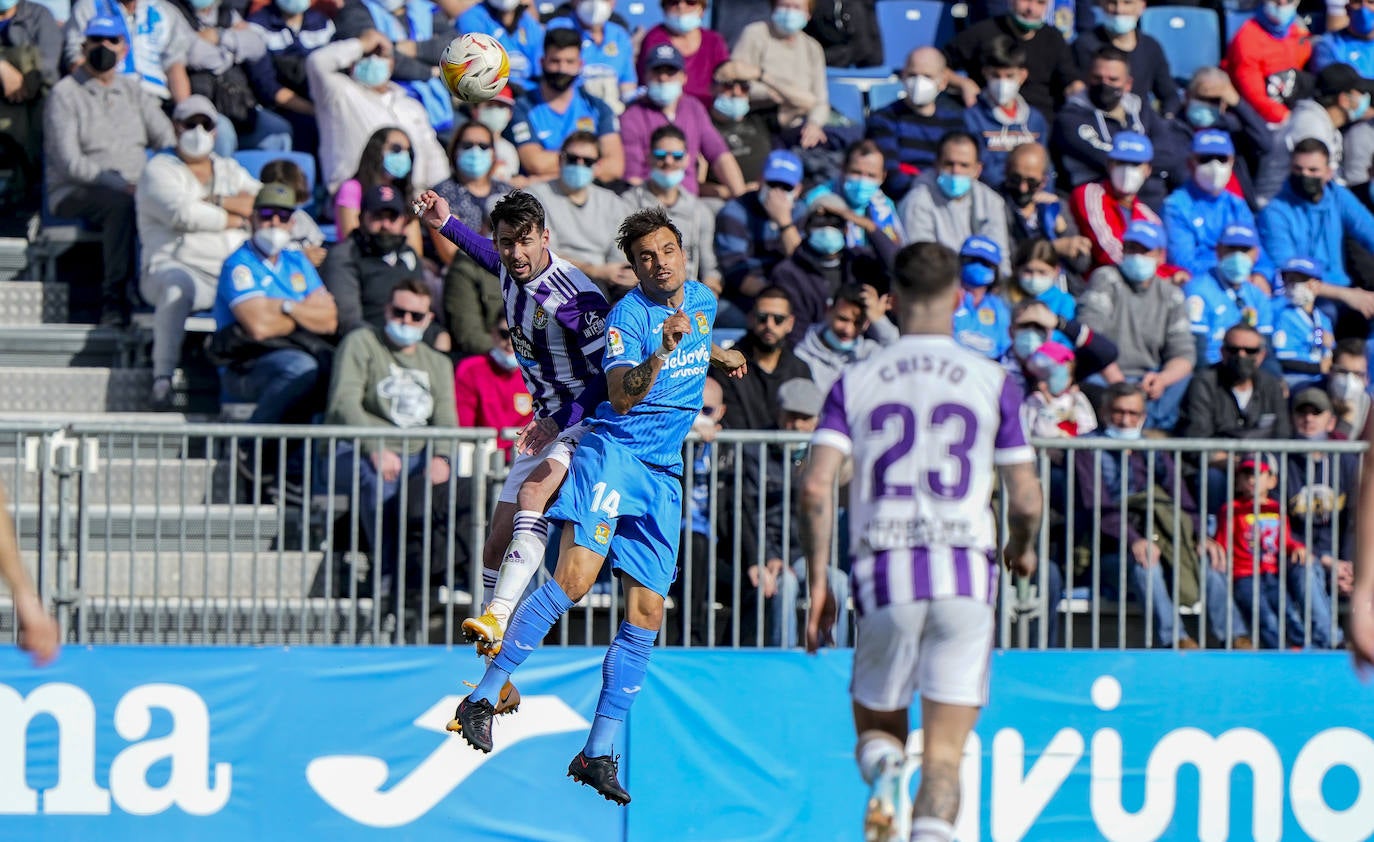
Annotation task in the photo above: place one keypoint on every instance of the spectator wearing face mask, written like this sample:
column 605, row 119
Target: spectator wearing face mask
column 1052, row 76
column 1036, row 211
column 155, row 36
column 909, row 130
column 1033, row 325
column 1211, row 102
column 1055, row 408
column 1303, row 337
column 291, row 30
column 757, row 230
column 608, row 51
column 949, row 203
column 791, row 70
column 519, row 32
column 1349, row 37
column 664, row 104
column 1224, row 295
column 846, row 335
column 1335, row 118
column 857, row 195
column 1119, row 26
column 1266, row 56
column 1105, row 209
column 748, row 134
column 983, row 321
column 490, row 390
column 823, row 265
column 1145, row 314
column 1035, row 268
column 1197, row 213
column 1001, row 119
column 703, row 50
column 496, row 114
column 386, row 159
column 668, row 151
column 1348, row 386
column 1086, row 132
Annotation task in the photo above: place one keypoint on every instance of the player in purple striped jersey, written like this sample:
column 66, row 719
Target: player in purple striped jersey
column 557, row 319
column 921, row 424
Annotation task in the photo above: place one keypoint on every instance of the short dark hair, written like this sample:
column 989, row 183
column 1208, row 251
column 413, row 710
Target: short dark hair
column 667, row 130
column 520, row 211
column 581, row 136
column 1003, row 53
column 851, row 295
column 959, row 136
column 562, row 38
column 1110, row 53
column 641, row 224
column 1038, row 249
column 922, row 271
column 859, row 149
column 1351, row 346
column 1310, row 145
column 1116, row 391
column 1243, row 327
column 775, row 291
column 413, row 285
column 288, row 172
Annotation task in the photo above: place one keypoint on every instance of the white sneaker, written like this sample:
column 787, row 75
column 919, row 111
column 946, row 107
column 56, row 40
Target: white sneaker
column 888, row 816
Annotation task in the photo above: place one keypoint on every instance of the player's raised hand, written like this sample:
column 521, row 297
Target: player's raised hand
column 536, row 436
column 675, row 327
column 432, row 209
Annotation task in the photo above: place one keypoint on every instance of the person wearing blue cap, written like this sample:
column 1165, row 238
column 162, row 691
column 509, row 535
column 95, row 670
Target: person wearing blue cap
column 754, row 232
column 1303, row 339
column 983, row 321
column 1224, row 296
column 1104, row 209
column 1145, row 314
column 157, row 42
column 1196, row 214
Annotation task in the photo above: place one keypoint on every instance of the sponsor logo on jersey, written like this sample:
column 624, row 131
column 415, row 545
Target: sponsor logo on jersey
column 541, row 318
column 703, row 326
column 603, row 533
column 614, row 346
column 524, row 349
column 593, row 325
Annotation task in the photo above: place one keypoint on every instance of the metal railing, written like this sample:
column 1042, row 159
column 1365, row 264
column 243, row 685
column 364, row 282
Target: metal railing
column 248, row 534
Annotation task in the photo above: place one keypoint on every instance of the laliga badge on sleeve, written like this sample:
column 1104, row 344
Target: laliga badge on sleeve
column 242, row 277
column 614, row 346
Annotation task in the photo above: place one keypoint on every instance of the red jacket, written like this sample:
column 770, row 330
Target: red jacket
column 1259, row 65
column 1238, row 518
column 1101, row 219
column 490, row 396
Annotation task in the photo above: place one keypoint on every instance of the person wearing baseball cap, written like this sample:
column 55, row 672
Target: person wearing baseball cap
column 1341, row 100
column 1146, row 315
column 663, row 102
column 754, row 232
column 1196, row 213
column 1104, row 209
column 1303, row 340
column 1225, row 295
column 983, row 321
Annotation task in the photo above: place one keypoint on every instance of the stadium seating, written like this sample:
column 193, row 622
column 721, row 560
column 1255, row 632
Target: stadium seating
column 907, row 24
column 641, row 14
column 1235, row 19
column 1191, row 37
column 884, row 94
column 254, row 160
column 847, row 99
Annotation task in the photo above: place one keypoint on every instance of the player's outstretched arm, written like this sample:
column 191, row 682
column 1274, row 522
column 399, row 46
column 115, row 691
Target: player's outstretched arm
column 433, row 210
column 824, row 464
column 38, row 632
column 1362, row 597
column 1023, row 500
column 732, row 362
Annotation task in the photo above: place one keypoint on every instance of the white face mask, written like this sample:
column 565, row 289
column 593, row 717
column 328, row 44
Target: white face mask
column 1345, row 388
column 594, row 12
column 1213, row 176
column 270, row 241
column 495, row 117
column 1128, row 178
column 196, row 143
column 1301, row 295
column 921, row 90
column 1004, row 91
column 504, row 5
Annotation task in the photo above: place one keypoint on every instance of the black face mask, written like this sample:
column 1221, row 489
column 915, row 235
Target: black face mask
column 1020, row 192
column 1105, row 97
column 560, row 81
column 101, row 58
column 1241, row 368
column 1307, row 186
column 382, row 242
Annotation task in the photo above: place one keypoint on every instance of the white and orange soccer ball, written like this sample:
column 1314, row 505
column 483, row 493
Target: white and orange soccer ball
column 475, row 67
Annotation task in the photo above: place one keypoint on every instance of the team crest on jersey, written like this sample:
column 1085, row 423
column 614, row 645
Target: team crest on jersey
column 541, row 318
column 1250, row 316
column 585, row 124
column 614, row 346
column 603, row 533
column 986, row 315
column 298, row 282
column 242, row 277
column 703, row 326
column 524, row 404
column 524, row 349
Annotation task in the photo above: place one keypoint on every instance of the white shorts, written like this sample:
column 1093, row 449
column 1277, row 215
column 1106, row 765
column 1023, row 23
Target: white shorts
column 559, row 450
column 939, row 648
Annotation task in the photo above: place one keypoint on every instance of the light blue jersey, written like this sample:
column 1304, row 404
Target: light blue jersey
column 1300, row 336
column 246, row 275
column 654, row 429
column 1214, row 307
column 984, row 327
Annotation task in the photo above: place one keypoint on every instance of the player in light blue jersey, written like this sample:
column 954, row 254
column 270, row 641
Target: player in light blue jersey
column 624, row 493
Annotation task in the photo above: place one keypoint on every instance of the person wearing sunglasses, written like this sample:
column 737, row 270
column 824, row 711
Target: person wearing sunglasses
column 664, row 188
column 663, row 103
column 491, row 391
column 151, row 44
column 703, row 49
column 193, row 211
column 98, row 127
column 387, row 158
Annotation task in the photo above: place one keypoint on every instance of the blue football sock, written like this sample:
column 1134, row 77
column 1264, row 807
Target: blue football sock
column 528, row 627
column 622, row 675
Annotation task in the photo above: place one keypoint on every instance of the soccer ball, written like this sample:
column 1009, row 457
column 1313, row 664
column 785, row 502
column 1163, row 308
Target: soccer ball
column 475, row 67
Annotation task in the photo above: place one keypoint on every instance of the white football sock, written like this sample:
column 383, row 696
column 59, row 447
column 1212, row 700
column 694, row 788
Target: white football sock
column 877, row 749
column 523, row 556
column 930, row 829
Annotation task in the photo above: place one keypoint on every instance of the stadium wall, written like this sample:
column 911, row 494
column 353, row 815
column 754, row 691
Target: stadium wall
column 265, row 744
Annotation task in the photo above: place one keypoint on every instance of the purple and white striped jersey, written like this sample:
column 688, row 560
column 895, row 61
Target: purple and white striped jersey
column 557, row 325
column 925, row 422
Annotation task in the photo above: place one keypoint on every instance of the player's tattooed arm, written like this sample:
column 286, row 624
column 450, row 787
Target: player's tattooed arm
column 626, row 387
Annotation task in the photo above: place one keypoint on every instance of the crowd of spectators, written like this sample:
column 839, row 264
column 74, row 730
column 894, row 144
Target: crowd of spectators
column 1148, row 257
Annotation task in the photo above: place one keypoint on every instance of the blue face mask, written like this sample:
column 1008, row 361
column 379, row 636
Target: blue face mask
column 1201, row 115
column 198, row 5
column 576, row 176
column 1138, row 268
column 1026, row 342
column 404, row 335
column 1362, row 20
column 733, row 107
column 6, row 5
column 666, row 179
column 293, row 7
column 1361, row 109
column 1058, row 379
column 1280, row 16
column 838, row 344
column 396, row 164
column 1235, row 267
column 664, row 93
column 474, row 162
column 975, row 274
column 825, row 241
column 372, row 71
column 1119, row 24
column 858, row 192
column 954, row 186
column 790, row 21
column 683, row 24
column 1123, row 433
column 507, row 361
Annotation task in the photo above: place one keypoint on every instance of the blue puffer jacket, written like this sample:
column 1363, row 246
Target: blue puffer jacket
column 1291, row 226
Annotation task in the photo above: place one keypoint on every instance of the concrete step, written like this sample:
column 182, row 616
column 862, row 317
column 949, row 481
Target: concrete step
column 199, row 574
column 198, row 527
column 58, row 391
column 64, row 346
column 30, row 302
column 170, row 480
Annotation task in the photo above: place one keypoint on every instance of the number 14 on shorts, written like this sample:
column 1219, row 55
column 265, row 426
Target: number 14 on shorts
column 605, row 501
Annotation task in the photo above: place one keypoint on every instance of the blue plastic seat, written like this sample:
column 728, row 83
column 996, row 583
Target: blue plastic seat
column 645, row 14
column 1235, row 19
column 254, row 160
column 905, row 25
column 1190, row 36
column 884, row 94
column 847, row 98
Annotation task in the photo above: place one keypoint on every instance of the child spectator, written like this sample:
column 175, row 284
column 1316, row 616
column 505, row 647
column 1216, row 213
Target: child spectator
column 1039, row 278
column 1253, row 532
column 1303, row 337
column 1001, row 119
column 983, row 321
column 1055, row 408
column 305, row 231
